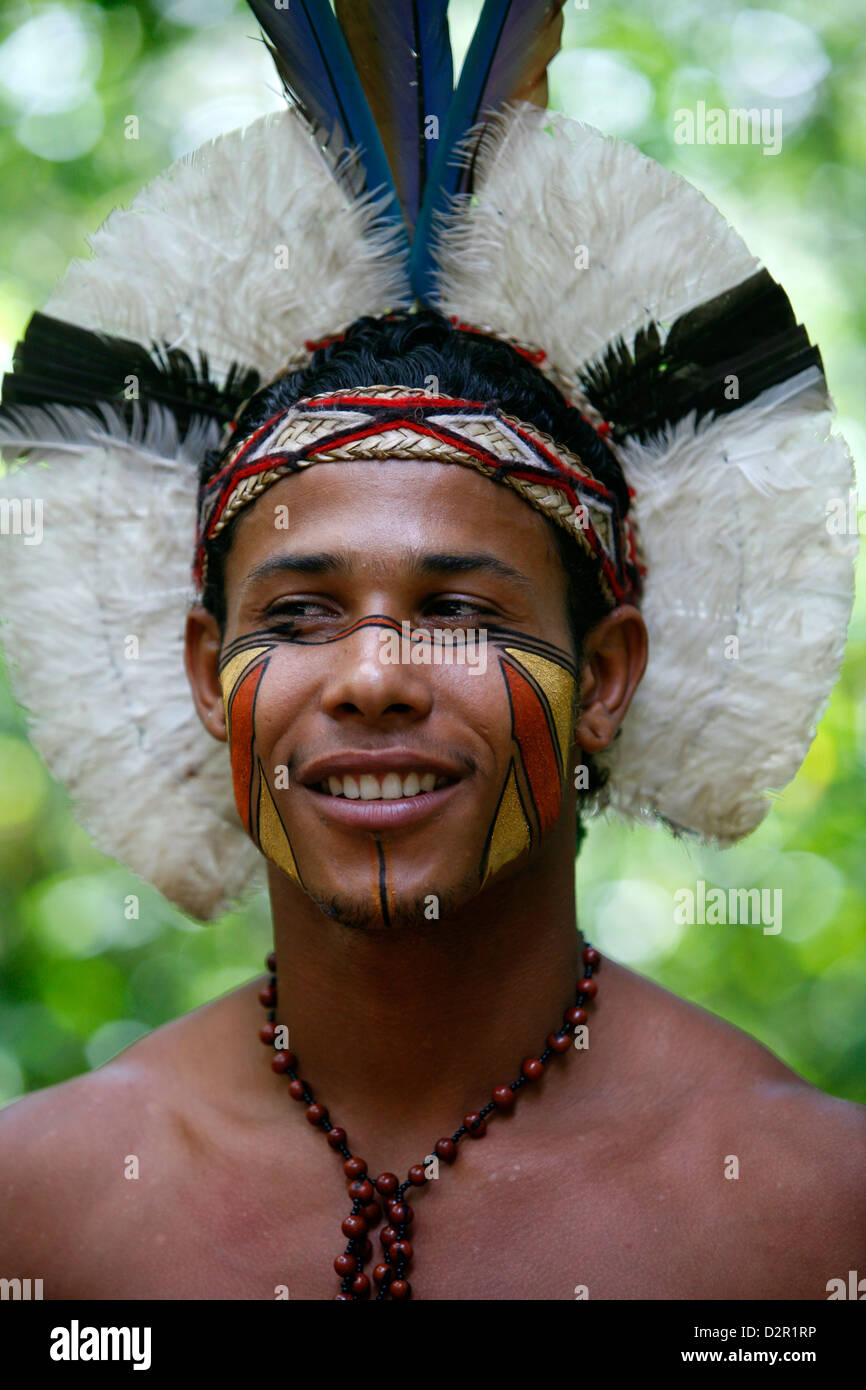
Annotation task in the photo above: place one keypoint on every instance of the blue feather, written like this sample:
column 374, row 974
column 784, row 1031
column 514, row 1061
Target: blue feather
column 507, row 59
column 319, row 77
column 402, row 51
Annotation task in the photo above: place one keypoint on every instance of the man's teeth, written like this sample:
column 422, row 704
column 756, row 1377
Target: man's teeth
column 394, row 784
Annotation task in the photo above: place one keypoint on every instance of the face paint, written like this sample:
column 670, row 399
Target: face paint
column 243, row 667
column 241, row 674
column 541, row 682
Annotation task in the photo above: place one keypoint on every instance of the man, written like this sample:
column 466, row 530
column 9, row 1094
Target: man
column 672, row 1157
column 426, row 627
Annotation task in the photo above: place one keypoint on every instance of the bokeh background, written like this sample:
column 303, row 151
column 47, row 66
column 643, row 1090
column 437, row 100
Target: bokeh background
column 79, row 980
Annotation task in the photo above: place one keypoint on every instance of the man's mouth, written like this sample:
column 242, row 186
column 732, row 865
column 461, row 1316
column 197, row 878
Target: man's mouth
column 388, row 786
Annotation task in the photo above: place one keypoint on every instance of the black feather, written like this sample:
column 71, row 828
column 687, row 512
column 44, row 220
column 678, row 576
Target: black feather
column 61, row 363
column 748, row 333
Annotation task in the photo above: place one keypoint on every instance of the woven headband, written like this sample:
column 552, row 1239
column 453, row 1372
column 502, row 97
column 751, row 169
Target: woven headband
column 397, row 422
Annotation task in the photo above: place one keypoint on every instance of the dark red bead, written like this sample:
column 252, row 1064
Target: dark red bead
column 446, row 1149
column 281, row 1062
column 345, row 1264
column 417, row 1176
column 591, row 957
column 559, row 1042
column 386, row 1183
column 268, row 996
column 316, row 1113
column 503, row 1097
column 354, row 1226
column 355, row 1167
column 575, row 1015
column 267, row 1033
column 372, row 1214
column 475, row 1124
column 298, row 1089
column 532, row 1068
column 401, row 1248
column 397, row 1213
column 336, row 1137
column 361, row 1190
column 587, row 987
column 380, row 1273
column 361, row 1286
column 367, row 1251
column 387, row 1235
column 271, row 962
column 400, row 1288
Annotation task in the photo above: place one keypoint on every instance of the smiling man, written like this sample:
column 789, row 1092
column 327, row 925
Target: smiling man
column 521, row 385
column 418, row 822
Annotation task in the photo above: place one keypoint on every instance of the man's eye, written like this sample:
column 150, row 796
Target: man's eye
column 458, row 608
column 298, row 608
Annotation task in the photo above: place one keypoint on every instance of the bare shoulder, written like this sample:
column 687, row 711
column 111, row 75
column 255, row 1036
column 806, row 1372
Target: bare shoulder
column 86, row 1165
column 769, row 1169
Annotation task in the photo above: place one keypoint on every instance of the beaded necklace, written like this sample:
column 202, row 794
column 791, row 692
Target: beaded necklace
column 390, row 1275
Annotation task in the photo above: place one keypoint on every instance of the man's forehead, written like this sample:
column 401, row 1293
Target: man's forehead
column 408, row 561
column 391, row 515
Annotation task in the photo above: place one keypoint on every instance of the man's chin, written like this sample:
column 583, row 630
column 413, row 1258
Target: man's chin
column 404, row 912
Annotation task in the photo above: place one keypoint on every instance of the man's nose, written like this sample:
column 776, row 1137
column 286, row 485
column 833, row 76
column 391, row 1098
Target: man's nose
column 369, row 677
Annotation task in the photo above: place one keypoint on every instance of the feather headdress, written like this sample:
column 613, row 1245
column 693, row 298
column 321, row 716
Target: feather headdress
column 387, row 185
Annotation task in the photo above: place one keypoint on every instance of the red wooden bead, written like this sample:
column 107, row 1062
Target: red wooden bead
column 380, row 1273
column 397, row 1213
column 360, row 1286
column 355, row 1168
column 268, row 996
column 400, row 1288
column 281, row 1062
column 336, row 1137
column 345, row 1264
column 387, row 1235
column 361, row 1190
column 417, row 1176
column 297, row 1089
column 559, row 1042
column 372, row 1214
column 503, row 1097
column 400, row 1248
column 267, row 1033
column 532, row 1068
column 354, row 1226
column 316, row 1113
column 475, row 1124
column 386, row 1183
column 446, row 1149
column 272, row 962
column 591, row 957
column 575, row 1015
column 587, row 987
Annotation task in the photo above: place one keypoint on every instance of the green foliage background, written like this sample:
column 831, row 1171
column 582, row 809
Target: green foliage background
column 78, row 980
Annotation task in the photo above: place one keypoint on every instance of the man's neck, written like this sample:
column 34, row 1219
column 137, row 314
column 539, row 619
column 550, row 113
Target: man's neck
column 406, row 1031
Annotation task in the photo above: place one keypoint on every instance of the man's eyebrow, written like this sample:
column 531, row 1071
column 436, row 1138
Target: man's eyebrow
column 420, row 563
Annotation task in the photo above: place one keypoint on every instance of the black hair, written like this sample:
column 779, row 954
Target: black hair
column 424, row 350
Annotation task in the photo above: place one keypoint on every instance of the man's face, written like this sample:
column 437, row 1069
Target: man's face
column 388, row 773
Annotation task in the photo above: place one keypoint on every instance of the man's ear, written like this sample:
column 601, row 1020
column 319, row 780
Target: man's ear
column 201, row 658
column 614, row 660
